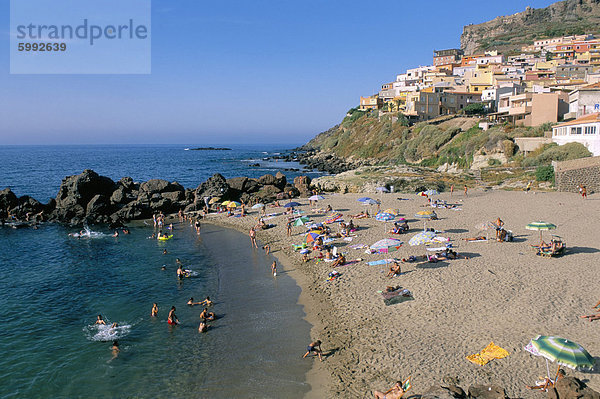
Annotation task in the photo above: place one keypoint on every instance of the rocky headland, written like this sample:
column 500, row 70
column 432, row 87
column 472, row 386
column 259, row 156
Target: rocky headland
column 91, row 198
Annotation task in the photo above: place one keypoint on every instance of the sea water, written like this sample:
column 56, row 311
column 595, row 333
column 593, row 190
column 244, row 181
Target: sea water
column 53, row 286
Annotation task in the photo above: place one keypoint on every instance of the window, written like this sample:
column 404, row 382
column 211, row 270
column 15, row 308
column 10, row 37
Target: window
column 575, row 130
column 590, row 130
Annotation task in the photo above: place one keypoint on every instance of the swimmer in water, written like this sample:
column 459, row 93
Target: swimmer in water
column 192, row 303
column 116, row 234
column 164, row 267
column 114, row 325
column 154, row 311
column 203, row 327
column 180, row 272
column 100, row 320
column 125, row 231
column 165, row 252
column 115, row 349
column 207, row 302
column 172, row 318
column 207, row 315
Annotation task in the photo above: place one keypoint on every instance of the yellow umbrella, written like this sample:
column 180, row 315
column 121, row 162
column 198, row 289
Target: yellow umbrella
column 394, row 212
column 213, row 200
column 225, row 203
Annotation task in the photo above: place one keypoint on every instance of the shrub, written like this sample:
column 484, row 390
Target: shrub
column 475, row 109
column 494, row 162
column 544, row 173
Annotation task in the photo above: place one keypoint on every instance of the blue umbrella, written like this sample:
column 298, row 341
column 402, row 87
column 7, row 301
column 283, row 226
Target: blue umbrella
column 384, row 217
column 291, row 205
column 382, row 189
column 363, row 199
column 369, row 202
column 316, row 198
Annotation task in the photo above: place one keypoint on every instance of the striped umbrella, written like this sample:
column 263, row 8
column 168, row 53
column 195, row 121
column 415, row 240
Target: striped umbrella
column 432, row 192
column 540, row 226
column 225, row 203
column 394, row 212
column 316, row 198
column 233, row 204
column 562, row 351
column 386, row 245
column 335, row 216
column 384, row 216
column 310, row 237
column 421, row 238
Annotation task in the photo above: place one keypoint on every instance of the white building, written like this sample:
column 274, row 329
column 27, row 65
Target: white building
column 585, row 130
column 584, row 101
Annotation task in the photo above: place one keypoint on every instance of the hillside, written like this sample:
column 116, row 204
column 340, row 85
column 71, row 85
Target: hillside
column 508, row 33
column 448, row 142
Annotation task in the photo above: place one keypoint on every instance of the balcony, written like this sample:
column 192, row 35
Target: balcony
column 519, row 110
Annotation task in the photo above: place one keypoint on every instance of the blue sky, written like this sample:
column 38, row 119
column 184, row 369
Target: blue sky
column 238, row 72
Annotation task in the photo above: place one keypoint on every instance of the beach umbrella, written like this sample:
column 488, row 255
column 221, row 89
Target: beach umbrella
column 291, row 205
column 401, row 219
column 335, row 216
column 233, row 204
column 425, row 214
column 301, row 221
column 421, row 238
column 485, row 226
column 369, row 202
column 213, row 200
column 394, row 212
column 386, row 245
column 541, row 226
column 384, row 216
column 316, row 198
column 422, row 194
column 225, row 203
column 312, row 236
column 258, row 206
column 562, row 351
column 431, row 192
column 382, row 189
column 363, row 199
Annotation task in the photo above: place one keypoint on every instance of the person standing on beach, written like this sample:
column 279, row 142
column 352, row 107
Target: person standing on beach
column 253, row 238
column 451, row 190
column 289, row 228
column 466, row 190
column 274, row 269
column 583, row 192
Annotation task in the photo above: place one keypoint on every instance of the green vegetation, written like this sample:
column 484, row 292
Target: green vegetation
column 475, row 109
column 544, row 173
column 553, row 152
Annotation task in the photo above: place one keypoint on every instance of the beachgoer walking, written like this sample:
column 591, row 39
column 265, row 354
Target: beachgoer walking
column 289, row 228
column 316, row 348
column 253, row 238
column 172, row 318
column 466, row 190
column 274, row 268
column 583, row 192
column 528, row 186
column 451, row 190
column 267, row 249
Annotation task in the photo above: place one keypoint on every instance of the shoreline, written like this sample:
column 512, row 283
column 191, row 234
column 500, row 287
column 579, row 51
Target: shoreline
column 502, row 293
column 315, row 378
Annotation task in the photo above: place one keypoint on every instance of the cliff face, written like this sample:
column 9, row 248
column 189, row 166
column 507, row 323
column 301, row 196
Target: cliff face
column 508, row 33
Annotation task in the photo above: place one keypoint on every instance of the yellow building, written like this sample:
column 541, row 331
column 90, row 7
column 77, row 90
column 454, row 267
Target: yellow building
column 479, row 79
column 371, row 102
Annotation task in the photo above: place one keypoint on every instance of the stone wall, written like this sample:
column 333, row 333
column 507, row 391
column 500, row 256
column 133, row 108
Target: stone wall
column 570, row 174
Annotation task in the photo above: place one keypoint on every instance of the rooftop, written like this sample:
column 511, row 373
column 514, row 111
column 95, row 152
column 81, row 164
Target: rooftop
column 584, row 119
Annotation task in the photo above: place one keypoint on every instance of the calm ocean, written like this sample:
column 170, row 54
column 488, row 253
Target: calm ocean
column 52, row 287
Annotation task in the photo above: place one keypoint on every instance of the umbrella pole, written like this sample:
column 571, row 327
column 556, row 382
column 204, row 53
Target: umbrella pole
column 547, row 368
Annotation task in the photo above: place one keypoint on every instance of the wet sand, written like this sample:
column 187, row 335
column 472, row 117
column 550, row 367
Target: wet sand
column 503, row 293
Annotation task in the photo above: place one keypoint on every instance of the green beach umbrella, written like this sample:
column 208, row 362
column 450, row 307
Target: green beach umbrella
column 540, row 226
column 301, row 221
column 562, row 351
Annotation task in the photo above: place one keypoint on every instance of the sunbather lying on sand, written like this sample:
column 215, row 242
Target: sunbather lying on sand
column 394, row 392
column 361, row 215
column 340, row 261
column 479, row 238
column 548, row 382
column 591, row 317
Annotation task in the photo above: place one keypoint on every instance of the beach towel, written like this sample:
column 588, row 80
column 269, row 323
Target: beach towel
column 359, row 246
column 394, row 297
column 380, row 262
column 490, row 352
column 349, row 239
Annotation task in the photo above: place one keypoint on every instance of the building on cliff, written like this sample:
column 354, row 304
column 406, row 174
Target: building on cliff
column 584, row 130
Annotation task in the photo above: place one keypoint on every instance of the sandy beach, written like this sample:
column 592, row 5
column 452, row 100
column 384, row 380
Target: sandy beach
column 503, row 293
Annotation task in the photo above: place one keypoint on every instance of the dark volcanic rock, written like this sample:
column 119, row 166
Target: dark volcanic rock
column 97, row 207
column 238, row 183
column 571, row 388
column 119, row 196
column 267, row 179
column 30, row 205
column 8, row 199
column 76, row 192
column 154, row 186
column 268, row 192
column 437, row 392
column 302, row 184
column 215, row 186
column 280, row 180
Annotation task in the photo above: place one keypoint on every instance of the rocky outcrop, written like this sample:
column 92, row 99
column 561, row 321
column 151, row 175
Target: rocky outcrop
column 89, row 197
column 506, row 33
column 571, row 388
